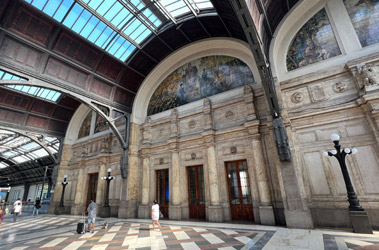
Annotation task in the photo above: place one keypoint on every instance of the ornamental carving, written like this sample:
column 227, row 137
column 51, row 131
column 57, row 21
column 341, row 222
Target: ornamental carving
column 297, row 97
column 368, row 75
column 229, row 115
column 317, row 93
column 193, row 156
column 233, row 150
column 340, row 87
column 191, row 124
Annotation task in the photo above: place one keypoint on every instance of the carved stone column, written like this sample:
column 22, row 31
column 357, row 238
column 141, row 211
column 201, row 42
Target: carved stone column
column 144, row 208
column 79, row 205
column 130, row 186
column 101, row 188
column 266, row 212
column 175, row 206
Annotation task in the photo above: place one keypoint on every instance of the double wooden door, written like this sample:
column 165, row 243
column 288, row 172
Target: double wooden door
column 162, row 194
column 196, row 194
column 92, row 187
column 239, row 190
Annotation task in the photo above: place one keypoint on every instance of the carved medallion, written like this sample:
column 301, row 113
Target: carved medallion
column 193, row 156
column 297, row 97
column 229, row 115
column 161, row 161
column 340, row 87
column 317, row 93
column 192, row 124
column 233, row 150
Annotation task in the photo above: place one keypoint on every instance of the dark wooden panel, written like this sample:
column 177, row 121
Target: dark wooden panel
column 20, row 53
column 131, row 80
column 142, row 63
column 42, row 107
column 214, row 26
column 11, row 99
column 76, row 49
column 66, row 73
column 101, row 88
column 28, row 24
column 109, row 68
column 57, row 126
column 68, row 101
column 173, row 38
column 12, row 116
column 157, row 49
column 63, row 114
column 193, row 30
column 36, row 122
column 123, row 97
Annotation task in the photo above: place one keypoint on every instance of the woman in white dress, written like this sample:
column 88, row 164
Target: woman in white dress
column 155, row 214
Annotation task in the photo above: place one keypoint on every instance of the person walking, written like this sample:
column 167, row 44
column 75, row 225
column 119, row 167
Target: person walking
column 91, row 210
column 155, row 215
column 37, row 206
column 3, row 212
column 17, row 209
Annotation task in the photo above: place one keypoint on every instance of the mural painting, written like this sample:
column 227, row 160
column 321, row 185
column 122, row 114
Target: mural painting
column 101, row 124
column 364, row 15
column 198, row 79
column 86, row 126
column 314, row 42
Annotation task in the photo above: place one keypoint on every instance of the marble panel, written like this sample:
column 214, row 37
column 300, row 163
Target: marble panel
column 368, row 168
column 355, row 130
column 316, row 174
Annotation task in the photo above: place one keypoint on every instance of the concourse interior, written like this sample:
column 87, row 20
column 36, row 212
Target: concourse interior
column 58, row 232
column 253, row 124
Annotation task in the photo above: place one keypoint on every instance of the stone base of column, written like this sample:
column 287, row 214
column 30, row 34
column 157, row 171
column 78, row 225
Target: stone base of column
column 144, row 212
column 77, row 210
column 105, row 212
column 175, row 212
column 299, row 219
column 215, row 213
column 62, row 210
column 53, row 207
column 266, row 214
column 361, row 223
column 128, row 209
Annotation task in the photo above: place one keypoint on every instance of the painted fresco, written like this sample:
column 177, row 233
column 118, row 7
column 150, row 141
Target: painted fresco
column 198, row 79
column 314, row 42
column 364, row 15
column 101, row 124
column 86, row 126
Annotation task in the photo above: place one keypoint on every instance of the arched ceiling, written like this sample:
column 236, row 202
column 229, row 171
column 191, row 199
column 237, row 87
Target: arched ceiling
column 39, row 48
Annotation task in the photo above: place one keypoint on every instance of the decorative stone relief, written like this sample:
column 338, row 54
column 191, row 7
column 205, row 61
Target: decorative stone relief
column 368, row 75
column 340, row 87
column 297, row 97
column 317, row 93
column 193, row 156
column 161, row 161
column 229, row 115
column 192, row 124
column 233, row 150
column 85, row 150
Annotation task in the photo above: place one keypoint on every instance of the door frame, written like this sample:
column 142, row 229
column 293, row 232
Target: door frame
column 197, row 189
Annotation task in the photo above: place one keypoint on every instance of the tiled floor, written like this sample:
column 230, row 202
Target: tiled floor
column 49, row 232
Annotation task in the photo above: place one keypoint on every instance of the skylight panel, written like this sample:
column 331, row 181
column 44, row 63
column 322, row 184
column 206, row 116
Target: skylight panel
column 201, row 4
column 62, row 10
column 39, row 153
column 21, row 159
column 46, row 94
column 8, row 76
column 53, row 150
column 50, row 139
column 3, row 165
column 175, row 7
column 120, row 47
column 29, row 146
column 10, row 154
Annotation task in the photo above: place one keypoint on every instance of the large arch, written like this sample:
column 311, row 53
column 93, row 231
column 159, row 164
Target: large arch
column 343, row 30
column 208, row 47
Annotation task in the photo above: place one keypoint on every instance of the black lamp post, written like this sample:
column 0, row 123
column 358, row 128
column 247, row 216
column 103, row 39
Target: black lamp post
column 64, row 184
column 108, row 178
column 358, row 216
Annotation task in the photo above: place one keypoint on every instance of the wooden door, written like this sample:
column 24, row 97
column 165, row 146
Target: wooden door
column 162, row 194
column 239, row 190
column 92, row 187
column 196, row 193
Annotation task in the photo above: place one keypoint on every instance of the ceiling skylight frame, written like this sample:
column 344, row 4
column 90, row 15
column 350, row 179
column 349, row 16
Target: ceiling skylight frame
column 41, row 93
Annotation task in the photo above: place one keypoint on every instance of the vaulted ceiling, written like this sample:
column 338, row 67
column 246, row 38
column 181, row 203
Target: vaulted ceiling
column 35, row 46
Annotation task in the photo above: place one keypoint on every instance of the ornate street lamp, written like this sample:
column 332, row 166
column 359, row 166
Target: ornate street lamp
column 64, row 183
column 108, row 178
column 358, row 216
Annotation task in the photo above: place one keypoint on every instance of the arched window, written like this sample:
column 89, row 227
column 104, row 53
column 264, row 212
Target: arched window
column 365, row 18
column 314, row 42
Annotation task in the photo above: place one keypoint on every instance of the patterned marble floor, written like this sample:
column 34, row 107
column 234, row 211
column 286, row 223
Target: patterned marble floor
column 49, row 232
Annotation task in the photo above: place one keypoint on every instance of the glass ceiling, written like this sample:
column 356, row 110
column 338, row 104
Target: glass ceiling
column 18, row 149
column 46, row 94
column 118, row 26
